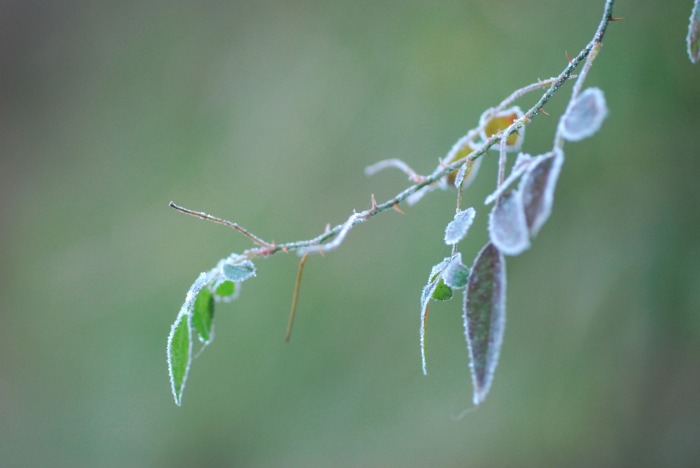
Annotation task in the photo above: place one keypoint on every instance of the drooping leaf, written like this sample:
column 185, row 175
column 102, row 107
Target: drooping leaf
column 507, row 225
column 585, row 116
column 456, row 274
column 179, row 346
column 522, row 163
column 493, row 123
column 426, row 295
column 484, row 317
column 466, row 173
column 458, row 227
column 537, row 189
column 693, row 38
column 237, row 270
column 179, row 355
column 203, row 315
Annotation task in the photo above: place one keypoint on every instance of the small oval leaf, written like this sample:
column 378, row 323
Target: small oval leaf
column 203, row 315
column 693, row 38
column 238, row 270
column 585, row 116
column 459, row 226
column 179, row 355
column 484, row 317
column 507, row 225
column 456, row 274
column 537, row 189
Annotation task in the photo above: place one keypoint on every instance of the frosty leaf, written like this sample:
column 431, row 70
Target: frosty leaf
column 493, row 123
column 537, row 189
column 507, row 225
column 426, row 295
column 179, row 347
column 226, row 290
column 484, row 317
column 203, row 315
column 179, row 355
column 521, row 165
column 238, row 270
column 693, row 39
column 456, row 274
column 466, row 172
column 442, row 292
column 585, row 116
column 458, row 227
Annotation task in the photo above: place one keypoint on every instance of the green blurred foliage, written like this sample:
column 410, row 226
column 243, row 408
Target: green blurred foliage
column 266, row 113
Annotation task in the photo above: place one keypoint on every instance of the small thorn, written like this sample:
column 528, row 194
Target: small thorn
column 616, row 18
column 568, row 57
column 328, row 228
column 544, row 112
column 396, row 208
column 320, row 251
column 285, row 250
column 374, row 203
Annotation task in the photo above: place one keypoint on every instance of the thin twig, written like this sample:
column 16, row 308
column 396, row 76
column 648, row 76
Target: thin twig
column 295, row 298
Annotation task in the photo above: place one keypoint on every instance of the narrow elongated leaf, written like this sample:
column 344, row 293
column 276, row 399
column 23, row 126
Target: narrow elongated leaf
column 457, row 229
column 426, row 295
column 585, row 116
column 484, row 317
column 179, row 346
column 203, row 315
column 537, row 189
column 693, row 39
column 507, row 225
column 179, row 355
column 456, row 274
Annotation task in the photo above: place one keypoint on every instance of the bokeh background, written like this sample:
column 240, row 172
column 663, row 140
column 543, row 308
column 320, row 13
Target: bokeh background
column 266, row 113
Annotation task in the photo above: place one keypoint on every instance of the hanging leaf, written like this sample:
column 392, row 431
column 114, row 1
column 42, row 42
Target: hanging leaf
column 179, row 355
column 693, row 39
column 456, row 274
column 522, row 163
column 484, row 317
column 537, row 189
column 237, row 270
column 458, row 227
column 203, row 315
column 179, row 347
column 507, row 225
column 585, row 116
column 491, row 124
column 428, row 293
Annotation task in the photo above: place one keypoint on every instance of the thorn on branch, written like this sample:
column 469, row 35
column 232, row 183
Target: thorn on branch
column 396, row 208
column 568, row 57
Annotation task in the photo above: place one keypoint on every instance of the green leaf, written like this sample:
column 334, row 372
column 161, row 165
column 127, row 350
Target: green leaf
column 179, row 347
column 442, row 292
column 225, row 289
column 484, row 317
column 693, row 38
column 203, row 315
column 238, row 270
column 456, row 274
column 179, row 355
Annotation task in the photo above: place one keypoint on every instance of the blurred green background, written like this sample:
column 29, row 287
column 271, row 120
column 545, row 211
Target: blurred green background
column 266, row 113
